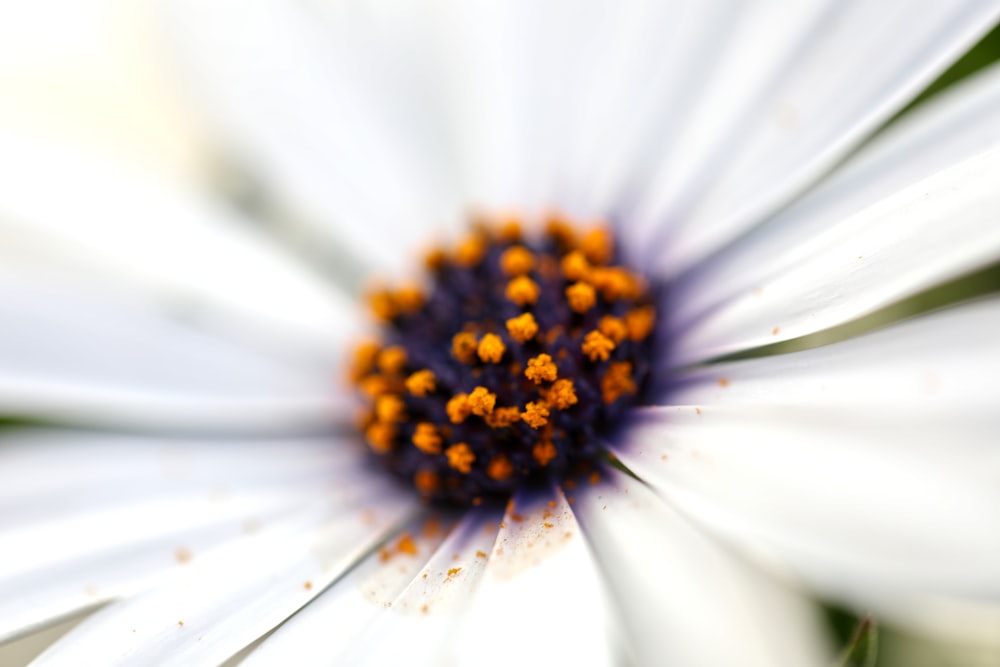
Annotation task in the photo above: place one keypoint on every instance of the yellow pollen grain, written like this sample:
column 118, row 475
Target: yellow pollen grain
column 380, row 436
column 562, row 394
column 597, row 346
column 523, row 291
column 639, row 322
column 464, row 346
column 598, row 246
column 421, row 383
column 613, row 327
column 581, row 297
column 575, row 266
column 491, row 349
column 392, row 359
column 470, row 251
column 543, row 452
column 536, row 414
column 503, row 417
column 523, row 327
column 460, row 457
column 458, row 408
column 517, row 261
column 426, row 482
column 482, row 401
column 617, row 381
column 426, row 438
column 390, row 408
column 499, row 468
column 406, row 545
column 541, row 369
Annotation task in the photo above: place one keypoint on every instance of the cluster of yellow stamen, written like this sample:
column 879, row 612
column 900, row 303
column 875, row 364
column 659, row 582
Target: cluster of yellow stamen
column 561, row 312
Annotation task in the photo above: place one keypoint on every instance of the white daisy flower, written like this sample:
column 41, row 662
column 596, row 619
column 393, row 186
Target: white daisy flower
column 208, row 490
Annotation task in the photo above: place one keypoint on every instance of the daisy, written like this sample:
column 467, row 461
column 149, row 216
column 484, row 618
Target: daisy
column 208, row 486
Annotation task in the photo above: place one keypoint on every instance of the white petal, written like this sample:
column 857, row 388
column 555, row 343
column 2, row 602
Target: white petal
column 106, row 358
column 960, row 124
column 206, row 612
column 541, row 595
column 425, row 617
column 868, row 467
column 934, row 230
column 110, row 222
column 797, row 88
column 85, row 518
column 934, row 362
column 679, row 591
column 335, row 114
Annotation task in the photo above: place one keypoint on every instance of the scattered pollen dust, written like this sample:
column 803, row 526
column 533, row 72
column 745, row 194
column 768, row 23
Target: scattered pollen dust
column 180, row 624
column 453, row 571
column 183, row 555
column 723, row 382
column 480, row 554
column 308, row 585
column 775, row 330
column 697, row 411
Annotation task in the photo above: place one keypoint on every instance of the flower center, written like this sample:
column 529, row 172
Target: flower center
column 510, row 366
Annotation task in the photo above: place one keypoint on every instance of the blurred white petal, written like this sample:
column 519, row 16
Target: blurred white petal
column 87, row 518
column 540, row 555
column 798, row 87
column 679, row 592
column 205, row 613
column 936, row 229
column 867, row 467
column 960, row 124
column 147, row 233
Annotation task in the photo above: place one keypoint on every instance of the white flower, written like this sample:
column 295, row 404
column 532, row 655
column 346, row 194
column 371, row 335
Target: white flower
column 198, row 481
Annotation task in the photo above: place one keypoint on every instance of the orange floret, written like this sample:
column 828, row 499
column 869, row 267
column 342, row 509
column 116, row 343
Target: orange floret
column 522, row 328
column 464, row 346
column 365, row 355
column 562, row 394
column 390, row 408
column 597, row 346
column 491, row 349
column 613, row 327
column 581, row 297
column 617, row 381
column 536, row 414
column 523, row 291
column 502, row 417
column 409, row 298
column 392, row 359
column 575, row 266
column 458, row 408
column 499, row 468
column 421, row 383
column 470, row 251
column 482, row 401
column 382, row 305
column 426, row 438
column 598, row 246
column 426, row 482
column 541, row 369
column 640, row 322
column 544, row 451
column 460, row 457
column 517, row 261
column 380, row 436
